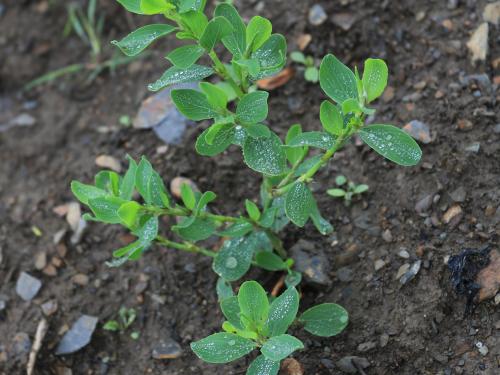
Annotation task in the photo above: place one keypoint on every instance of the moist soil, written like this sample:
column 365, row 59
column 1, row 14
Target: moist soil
column 416, row 328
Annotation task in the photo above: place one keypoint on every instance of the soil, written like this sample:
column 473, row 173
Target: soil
column 416, row 328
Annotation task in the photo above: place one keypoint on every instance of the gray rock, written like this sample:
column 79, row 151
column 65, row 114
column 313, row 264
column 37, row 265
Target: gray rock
column 344, row 20
column 78, row 336
column 23, row 120
column 27, row 286
column 473, row 147
column 169, row 349
column 419, row 130
column 314, row 265
column 21, row 346
column 364, row 221
column 317, row 15
column 345, row 274
column 348, row 364
column 424, row 204
column 459, row 194
column 411, row 273
column 49, row 307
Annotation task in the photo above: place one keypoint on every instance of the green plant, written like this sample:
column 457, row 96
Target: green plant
column 255, row 322
column 125, row 319
column 311, row 72
column 346, row 189
column 287, row 168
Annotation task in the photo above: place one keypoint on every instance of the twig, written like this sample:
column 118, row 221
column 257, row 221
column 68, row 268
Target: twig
column 279, row 285
column 41, row 330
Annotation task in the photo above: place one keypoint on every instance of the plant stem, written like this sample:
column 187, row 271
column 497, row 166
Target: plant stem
column 222, row 71
column 186, row 246
column 179, row 211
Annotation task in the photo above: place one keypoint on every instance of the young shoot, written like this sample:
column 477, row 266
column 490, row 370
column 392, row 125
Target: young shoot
column 311, row 71
column 124, row 320
column 346, row 190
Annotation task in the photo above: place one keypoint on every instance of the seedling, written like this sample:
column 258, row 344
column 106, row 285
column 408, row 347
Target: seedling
column 253, row 322
column 125, row 319
column 346, row 189
column 287, row 168
column 311, row 71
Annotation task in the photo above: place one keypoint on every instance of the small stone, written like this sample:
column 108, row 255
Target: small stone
column 317, row 15
column 454, row 212
column 314, row 265
column 345, row 274
column 404, row 254
column 464, row 125
column 40, row 260
column 439, row 94
column 447, row 24
column 482, row 348
column 21, row 346
column 411, row 273
column 402, row 270
column 303, row 41
column 23, row 120
column 109, row 162
column 459, row 194
column 60, row 210
column 78, row 336
column 50, row 270
column 367, row 346
column 420, row 16
column 73, row 215
column 344, row 20
column 169, row 349
column 379, row 264
column 491, row 13
column 80, row 279
column 489, row 277
column 50, row 307
column 478, row 43
column 3, row 304
column 419, row 131
column 27, row 286
column 58, row 236
column 473, row 147
column 384, row 340
column 291, row 366
column 497, row 299
column 346, row 364
column 387, row 235
column 496, row 129
column 177, row 182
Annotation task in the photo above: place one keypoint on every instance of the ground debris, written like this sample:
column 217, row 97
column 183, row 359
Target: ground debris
column 27, row 286
column 478, row 43
column 78, row 336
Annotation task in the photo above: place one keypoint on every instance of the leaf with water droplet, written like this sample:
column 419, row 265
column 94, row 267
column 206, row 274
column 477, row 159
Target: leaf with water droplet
column 197, row 230
column 133, row 6
column 138, row 40
column 263, row 366
column 176, row 75
column 224, row 289
column 392, row 143
column 280, row 347
column 325, row 320
column 374, row 78
column 185, row 56
column 236, row 41
column 231, row 309
column 265, row 155
column 106, row 209
column 337, row 80
column 254, row 304
column 222, row 347
column 321, row 224
column 282, row 312
column 220, row 142
column 253, row 108
column 269, row 261
column 234, row 258
column 316, row 139
column 331, row 118
column 193, row 104
column 217, row 28
column 299, row 204
column 271, row 56
column 84, row 192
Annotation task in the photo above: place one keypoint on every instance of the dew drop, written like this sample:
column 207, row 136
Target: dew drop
column 343, row 319
column 231, row 262
column 231, row 342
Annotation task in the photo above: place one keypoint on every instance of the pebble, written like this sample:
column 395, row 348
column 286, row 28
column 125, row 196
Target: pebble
column 345, row 274
column 424, row 204
column 473, row 147
column 3, row 304
column 78, row 336
column 40, row 260
column 402, row 270
column 497, row 299
column 80, row 279
column 317, row 15
column 21, row 346
column 387, row 235
column 2, row 9
column 454, row 213
column 379, row 264
column 109, row 162
column 27, row 286
column 169, row 349
column 292, row 367
column 482, row 348
column 73, row 215
column 346, row 365
column 491, row 13
column 411, row 273
column 50, row 307
column 303, row 41
column 384, row 340
column 311, row 262
column 344, row 20
column 404, row 254
column 177, row 182
column 419, row 130
column 23, row 120
column 478, row 43
column 459, row 194
column 464, row 124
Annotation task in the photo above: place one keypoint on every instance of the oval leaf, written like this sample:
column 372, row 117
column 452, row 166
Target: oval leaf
column 253, row 108
column 193, row 104
column 135, row 42
column 263, row 366
column 337, row 80
column 219, row 143
column 269, row 261
column 374, row 78
column 280, row 347
column 253, row 302
column 222, row 347
column 271, row 56
column 331, row 118
column 177, row 75
column 217, row 28
column 185, row 56
column 236, row 41
column 299, row 204
column 282, row 312
column 325, row 320
column 234, row 258
column 265, row 155
column 321, row 140
column 259, row 30
column 392, row 143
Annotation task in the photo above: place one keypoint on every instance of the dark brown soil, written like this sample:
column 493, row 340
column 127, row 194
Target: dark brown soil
column 417, row 328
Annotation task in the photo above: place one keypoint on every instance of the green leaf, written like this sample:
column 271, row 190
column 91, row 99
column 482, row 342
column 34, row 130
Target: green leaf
column 263, row 366
column 280, row 347
column 224, row 289
column 231, row 309
column 311, row 74
column 337, row 80
column 106, row 209
column 252, row 66
column 185, row 56
column 128, row 182
column 193, row 104
column 176, row 75
column 195, row 22
column 128, row 213
column 351, row 106
column 269, row 261
column 148, row 231
column 374, row 78
column 340, row 180
column 299, row 204
column 221, row 141
column 133, row 6
column 259, row 30
column 142, row 177
column 187, row 195
column 157, row 191
column 331, row 118
column 271, row 56
column 392, row 143
column 84, row 192
column 282, row 312
column 197, row 230
column 222, row 347
column 253, row 302
column 361, row 189
column 325, row 320
column 322, row 140
column 252, row 210
column 138, row 40
column 188, row 5
column 238, row 229
column 109, row 181
column 155, row 6
column 294, row 154
column 322, row 225
column 253, row 108
column 217, row 28
column 293, row 279
column 258, row 131
column 298, row 57
column 216, row 97
column 236, row 41
column 268, row 217
column 265, row 155
column 203, row 201
column 234, row 258
column 337, row 193
column 111, row 325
